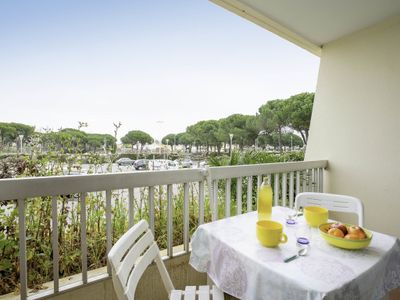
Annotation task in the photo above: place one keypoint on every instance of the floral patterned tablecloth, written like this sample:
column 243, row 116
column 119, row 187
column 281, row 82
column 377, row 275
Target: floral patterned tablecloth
column 229, row 252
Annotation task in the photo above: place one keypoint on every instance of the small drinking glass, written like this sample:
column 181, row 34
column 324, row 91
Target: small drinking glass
column 303, row 235
column 291, row 216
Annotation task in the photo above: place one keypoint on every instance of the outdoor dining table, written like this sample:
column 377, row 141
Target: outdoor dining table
column 238, row 264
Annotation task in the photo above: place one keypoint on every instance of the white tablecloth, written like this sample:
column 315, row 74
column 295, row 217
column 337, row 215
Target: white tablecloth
column 229, row 252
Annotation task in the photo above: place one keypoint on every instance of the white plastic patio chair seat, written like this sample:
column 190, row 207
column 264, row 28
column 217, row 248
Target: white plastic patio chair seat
column 333, row 202
column 203, row 293
column 130, row 257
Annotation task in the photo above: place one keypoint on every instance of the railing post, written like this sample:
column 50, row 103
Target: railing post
column 284, row 188
column 131, row 207
column 186, row 217
column 23, row 269
column 170, row 228
column 151, row 208
column 201, row 202
column 291, row 189
column 214, row 203
column 276, row 188
column 228, row 197
column 249, row 193
column 54, row 242
column 304, row 182
column 83, row 238
column 239, row 195
column 298, row 182
column 108, row 227
column 321, row 180
column 211, row 194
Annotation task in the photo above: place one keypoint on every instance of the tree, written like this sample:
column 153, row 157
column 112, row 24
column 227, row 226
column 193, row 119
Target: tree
column 95, row 141
column 73, row 139
column 9, row 132
column 204, row 131
column 300, row 110
column 169, row 139
column 292, row 140
column 135, row 136
column 251, row 130
column 185, row 139
column 274, row 115
column 243, row 127
column 116, row 128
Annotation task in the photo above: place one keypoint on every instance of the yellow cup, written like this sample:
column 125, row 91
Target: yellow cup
column 270, row 233
column 315, row 215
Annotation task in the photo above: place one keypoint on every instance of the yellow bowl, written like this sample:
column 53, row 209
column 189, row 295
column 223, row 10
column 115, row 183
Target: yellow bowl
column 342, row 242
column 315, row 215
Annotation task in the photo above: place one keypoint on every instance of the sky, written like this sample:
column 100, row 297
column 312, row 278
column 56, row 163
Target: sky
column 157, row 66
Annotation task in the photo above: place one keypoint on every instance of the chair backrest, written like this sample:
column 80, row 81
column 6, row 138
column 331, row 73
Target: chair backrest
column 129, row 258
column 333, row 202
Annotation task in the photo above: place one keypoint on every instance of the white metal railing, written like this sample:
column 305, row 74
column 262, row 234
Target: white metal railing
column 303, row 176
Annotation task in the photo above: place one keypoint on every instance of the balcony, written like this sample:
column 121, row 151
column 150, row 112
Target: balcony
column 174, row 202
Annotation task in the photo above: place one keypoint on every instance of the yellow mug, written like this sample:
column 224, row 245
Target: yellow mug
column 270, row 233
column 315, row 215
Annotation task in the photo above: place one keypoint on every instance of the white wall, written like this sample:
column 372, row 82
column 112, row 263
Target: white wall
column 356, row 121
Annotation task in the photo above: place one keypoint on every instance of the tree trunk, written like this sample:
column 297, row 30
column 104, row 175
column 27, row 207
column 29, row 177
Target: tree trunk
column 303, row 137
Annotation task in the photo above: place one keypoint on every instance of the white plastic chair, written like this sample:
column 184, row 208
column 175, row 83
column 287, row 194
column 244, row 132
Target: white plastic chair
column 332, row 202
column 133, row 253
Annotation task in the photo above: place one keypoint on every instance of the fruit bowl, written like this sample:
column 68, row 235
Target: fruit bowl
column 342, row 242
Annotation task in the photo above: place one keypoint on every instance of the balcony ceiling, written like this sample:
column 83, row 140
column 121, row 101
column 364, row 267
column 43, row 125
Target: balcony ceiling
column 313, row 23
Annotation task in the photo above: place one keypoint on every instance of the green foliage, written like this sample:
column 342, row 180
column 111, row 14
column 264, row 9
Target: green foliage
column 254, row 157
column 96, row 141
column 71, row 140
column 243, row 128
column 204, row 133
column 9, row 132
column 135, row 136
column 169, row 139
column 273, row 125
column 300, row 110
column 185, row 139
column 275, row 117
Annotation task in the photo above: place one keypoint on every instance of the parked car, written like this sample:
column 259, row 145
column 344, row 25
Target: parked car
column 125, row 161
column 141, row 164
column 172, row 165
column 187, row 163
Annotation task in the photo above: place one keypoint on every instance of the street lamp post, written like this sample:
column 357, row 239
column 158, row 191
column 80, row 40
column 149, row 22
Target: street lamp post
column 291, row 142
column 230, row 144
column 137, row 150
